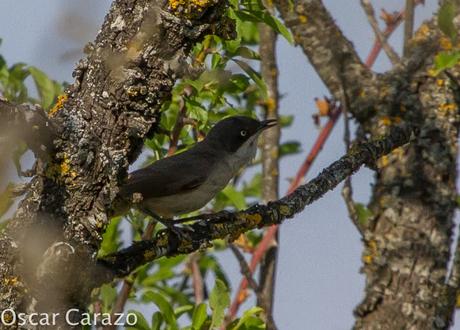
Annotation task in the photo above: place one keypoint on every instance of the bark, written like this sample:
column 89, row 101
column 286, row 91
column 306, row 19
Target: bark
column 270, row 168
column 408, row 237
column 110, row 109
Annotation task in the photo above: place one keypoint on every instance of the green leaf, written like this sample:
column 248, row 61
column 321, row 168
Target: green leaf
column 45, row 86
column 6, row 199
column 141, row 323
column 255, row 76
column 240, row 81
column 219, row 300
column 265, row 17
column 15, row 87
column 108, row 296
column 215, row 60
column 181, row 310
column 286, row 120
column 111, row 238
column 160, row 275
column 363, row 213
column 247, row 52
column 253, row 5
column 446, row 17
column 235, row 197
column 247, row 315
column 164, row 307
column 446, row 60
column 197, row 111
column 289, row 148
column 157, row 321
column 200, row 315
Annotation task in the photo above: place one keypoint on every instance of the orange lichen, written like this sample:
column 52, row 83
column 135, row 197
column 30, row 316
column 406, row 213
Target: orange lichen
column 384, row 121
column 187, row 6
column 61, row 169
column 371, row 249
column 59, row 104
column 270, row 104
column 254, row 218
column 398, row 152
column 422, row 33
column 445, row 43
column 303, row 19
column 383, row 161
column 12, row 281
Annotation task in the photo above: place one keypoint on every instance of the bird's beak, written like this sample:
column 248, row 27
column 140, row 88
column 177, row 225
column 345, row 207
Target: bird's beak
column 267, row 124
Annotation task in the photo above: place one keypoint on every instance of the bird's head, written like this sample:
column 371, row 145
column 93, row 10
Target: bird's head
column 234, row 132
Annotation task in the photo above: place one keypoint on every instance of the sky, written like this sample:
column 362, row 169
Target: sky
column 318, row 282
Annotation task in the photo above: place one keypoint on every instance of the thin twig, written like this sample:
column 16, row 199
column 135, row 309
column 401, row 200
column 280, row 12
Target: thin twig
column 181, row 121
column 347, row 190
column 197, row 279
column 246, row 272
column 369, row 10
column 408, row 24
column 244, row 267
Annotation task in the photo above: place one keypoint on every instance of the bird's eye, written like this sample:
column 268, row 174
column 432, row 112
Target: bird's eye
column 243, row 133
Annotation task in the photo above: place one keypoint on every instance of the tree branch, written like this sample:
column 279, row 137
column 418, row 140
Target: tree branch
column 329, row 52
column 245, row 271
column 408, row 25
column 226, row 224
column 369, row 10
column 270, row 168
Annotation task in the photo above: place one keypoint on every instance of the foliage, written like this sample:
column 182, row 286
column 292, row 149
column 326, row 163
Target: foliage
column 451, row 56
column 229, row 84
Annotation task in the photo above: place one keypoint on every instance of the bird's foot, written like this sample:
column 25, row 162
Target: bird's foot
column 182, row 232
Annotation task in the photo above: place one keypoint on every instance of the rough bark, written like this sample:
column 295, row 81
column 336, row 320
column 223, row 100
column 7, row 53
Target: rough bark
column 270, row 168
column 408, row 237
column 110, row 109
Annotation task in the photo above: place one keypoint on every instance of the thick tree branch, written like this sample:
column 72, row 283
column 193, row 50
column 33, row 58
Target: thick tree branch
column 330, row 53
column 226, row 224
column 113, row 105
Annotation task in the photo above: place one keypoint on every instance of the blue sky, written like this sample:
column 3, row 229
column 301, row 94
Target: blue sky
column 318, row 282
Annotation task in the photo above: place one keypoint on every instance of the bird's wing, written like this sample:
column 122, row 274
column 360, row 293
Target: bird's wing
column 169, row 176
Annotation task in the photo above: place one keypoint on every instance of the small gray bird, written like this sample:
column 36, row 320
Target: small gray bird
column 187, row 181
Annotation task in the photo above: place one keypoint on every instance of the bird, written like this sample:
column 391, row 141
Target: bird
column 187, row 181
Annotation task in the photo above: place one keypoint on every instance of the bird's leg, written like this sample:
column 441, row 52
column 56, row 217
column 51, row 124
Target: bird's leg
column 167, row 222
